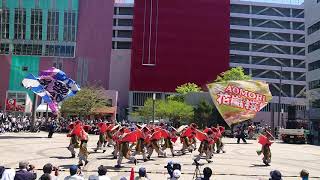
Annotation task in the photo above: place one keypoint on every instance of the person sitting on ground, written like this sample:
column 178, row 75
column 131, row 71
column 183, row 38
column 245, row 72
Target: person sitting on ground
column 8, row 174
column 26, row 172
column 275, row 175
column 142, row 174
column 45, row 176
column 48, row 168
column 74, row 173
column 102, row 174
column 304, row 174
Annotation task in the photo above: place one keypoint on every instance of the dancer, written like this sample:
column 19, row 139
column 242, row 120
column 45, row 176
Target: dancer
column 74, row 140
column 102, row 137
column 207, row 141
column 153, row 144
column 83, row 152
column 141, row 143
column 185, row 140
column 169, row 136
column 124, row 152
column 264, row 140
column 218, row 139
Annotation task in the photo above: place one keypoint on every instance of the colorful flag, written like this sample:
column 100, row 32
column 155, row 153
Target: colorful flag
column 53, row 85
column 238, row 101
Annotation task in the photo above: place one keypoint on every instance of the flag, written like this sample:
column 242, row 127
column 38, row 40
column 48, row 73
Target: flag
column 53, row 86
column 238, row 101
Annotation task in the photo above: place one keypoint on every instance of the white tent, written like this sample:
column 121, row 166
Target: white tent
column 42, row 108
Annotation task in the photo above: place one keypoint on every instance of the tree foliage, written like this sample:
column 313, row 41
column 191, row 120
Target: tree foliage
column 184, row 89
column 233, row 74
column 170, row 109
column 203, row 114
column 85, row 101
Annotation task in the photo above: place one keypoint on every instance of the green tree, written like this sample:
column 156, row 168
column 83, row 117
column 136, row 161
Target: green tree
column 184, row 89
column 85, row 101
column 175, row 111
column 203, row 114
column 233, row 74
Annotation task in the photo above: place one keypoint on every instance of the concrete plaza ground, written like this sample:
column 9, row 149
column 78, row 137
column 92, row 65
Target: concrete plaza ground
column 240, row 162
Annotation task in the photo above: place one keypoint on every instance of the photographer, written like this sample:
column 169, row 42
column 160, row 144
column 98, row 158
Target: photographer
column 207, row 173
column 171, row 168
column 48, row 168
column 26, row 172
column 75, row 173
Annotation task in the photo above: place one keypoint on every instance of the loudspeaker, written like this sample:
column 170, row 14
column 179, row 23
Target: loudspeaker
column 292, row 113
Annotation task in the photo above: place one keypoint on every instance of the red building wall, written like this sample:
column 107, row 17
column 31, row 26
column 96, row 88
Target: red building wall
column 189, row 42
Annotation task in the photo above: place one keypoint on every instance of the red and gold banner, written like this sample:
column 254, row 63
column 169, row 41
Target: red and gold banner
column 238, row 101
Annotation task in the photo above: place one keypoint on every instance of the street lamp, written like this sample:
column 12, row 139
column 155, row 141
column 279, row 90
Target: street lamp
column 153, row 106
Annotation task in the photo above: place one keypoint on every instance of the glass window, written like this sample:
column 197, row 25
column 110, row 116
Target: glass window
column 69, row 30
column 36, row 24
column 124, row 22
column 314, row 65
column 313, row 47
column 53, row 26
column 126, row 11
column 4, row 24
column 315, row 27
column 123, row 45
column 20, row 23
column 124, row 33
column 27, row 49
column 59, row 50
column 4, row 48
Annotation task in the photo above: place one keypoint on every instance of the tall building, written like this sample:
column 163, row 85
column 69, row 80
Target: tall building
column 38, row 34
column 312, row 22
column 265, row 38
column 169, row 49
column 268, row 41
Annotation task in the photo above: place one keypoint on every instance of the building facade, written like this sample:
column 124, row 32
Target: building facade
column 312, row 24
column 266, row 39
column 39, row 34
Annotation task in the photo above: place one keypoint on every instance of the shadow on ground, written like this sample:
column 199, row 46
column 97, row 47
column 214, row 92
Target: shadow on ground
column 21, row 137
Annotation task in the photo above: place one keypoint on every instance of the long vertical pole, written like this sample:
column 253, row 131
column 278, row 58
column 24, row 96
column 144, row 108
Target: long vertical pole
column 34, row 106
column 280, row 94
column 153, row 106
column 47, row 112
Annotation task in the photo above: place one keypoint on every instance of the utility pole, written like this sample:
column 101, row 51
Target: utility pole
column 280, row 94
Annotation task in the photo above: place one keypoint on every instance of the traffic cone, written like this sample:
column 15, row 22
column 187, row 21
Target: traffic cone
column 132, row 174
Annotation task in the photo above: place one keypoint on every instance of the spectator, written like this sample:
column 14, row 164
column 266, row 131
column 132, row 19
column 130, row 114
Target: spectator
column 24, row 173
column 176, row 174
column 123, row 178
column 8, row 174
column 275, row 175
column 46, row 176
column 142, row 174
column 74, row 174
column 48, row 168
column 1, row 170
column 207, row 173
column 102, row 174
column 304, row 174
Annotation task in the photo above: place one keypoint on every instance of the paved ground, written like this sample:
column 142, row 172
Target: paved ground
column 239, row 163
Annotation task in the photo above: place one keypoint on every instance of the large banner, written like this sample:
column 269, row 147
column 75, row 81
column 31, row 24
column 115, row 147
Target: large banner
column 238, row 101
column 53, row 85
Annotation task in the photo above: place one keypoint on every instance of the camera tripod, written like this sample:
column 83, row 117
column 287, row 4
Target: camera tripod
column 197, row 173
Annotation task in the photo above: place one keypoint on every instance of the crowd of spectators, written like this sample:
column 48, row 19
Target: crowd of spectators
column 19, row 123
column 50, row 172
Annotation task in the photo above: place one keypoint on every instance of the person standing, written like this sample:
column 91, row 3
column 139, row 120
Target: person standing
column 241, row 134
column 51, row 128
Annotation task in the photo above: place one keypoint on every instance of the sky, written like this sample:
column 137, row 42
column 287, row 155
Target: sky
column 272, row 1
